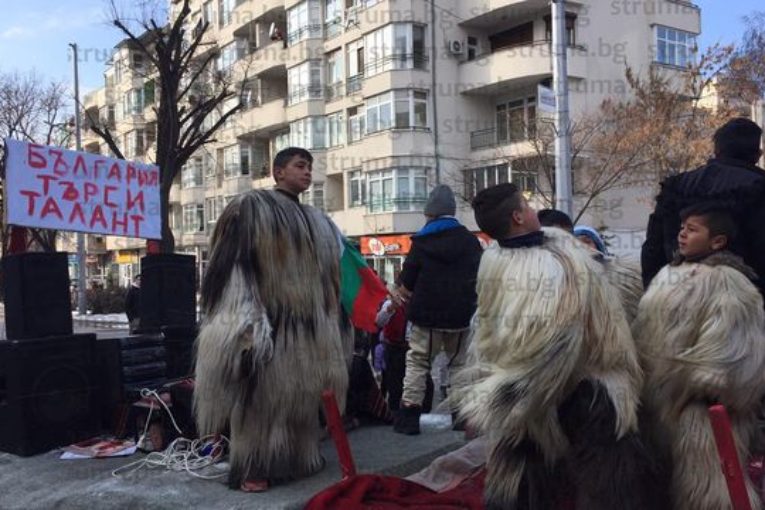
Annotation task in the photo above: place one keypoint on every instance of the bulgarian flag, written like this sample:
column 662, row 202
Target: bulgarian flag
column 361, row 291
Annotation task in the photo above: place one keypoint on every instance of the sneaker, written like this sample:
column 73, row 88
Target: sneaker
column 407, row 420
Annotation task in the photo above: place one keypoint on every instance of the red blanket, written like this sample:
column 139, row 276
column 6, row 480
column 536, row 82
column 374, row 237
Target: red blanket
column 374, row 492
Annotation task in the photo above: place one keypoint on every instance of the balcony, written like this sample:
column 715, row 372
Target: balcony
column 483, row 13
column 517, row 66
column 264, row 119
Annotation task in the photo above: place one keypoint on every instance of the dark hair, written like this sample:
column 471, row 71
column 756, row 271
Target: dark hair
column 717, row 219
column 493, row 208
column 284, row 156
column 738, row 139
column 555, row 218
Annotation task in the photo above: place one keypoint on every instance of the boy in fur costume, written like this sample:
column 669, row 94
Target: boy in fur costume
column 273, row 336
column 556, row 378
column 700, row 331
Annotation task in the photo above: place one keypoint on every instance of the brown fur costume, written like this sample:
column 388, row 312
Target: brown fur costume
column 701, row 339
column 556, row 379
column 272, row 337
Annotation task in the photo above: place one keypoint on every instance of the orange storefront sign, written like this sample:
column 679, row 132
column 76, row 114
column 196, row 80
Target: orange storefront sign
column 399, row 244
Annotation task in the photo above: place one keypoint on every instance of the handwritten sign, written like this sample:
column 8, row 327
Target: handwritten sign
column 50, row 187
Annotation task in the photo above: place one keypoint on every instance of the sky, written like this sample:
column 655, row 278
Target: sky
column 34, row 34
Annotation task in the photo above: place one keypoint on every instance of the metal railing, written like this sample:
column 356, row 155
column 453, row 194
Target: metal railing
column 354, row 84
column 483, row 138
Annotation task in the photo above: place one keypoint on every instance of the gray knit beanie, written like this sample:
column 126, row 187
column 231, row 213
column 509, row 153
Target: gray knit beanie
column 441, row 202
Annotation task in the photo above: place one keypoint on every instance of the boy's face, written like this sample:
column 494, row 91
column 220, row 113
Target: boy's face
column 295, row 176
column 695, row 240
column 525, row 219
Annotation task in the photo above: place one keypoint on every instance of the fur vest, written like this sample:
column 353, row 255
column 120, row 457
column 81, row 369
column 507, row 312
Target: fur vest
column 700, row 331
column 546, row 321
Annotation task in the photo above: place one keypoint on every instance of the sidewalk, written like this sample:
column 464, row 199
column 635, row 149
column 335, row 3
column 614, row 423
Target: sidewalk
column 45, row 482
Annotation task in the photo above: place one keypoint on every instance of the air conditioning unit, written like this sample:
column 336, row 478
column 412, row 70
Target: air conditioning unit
column 456, row 47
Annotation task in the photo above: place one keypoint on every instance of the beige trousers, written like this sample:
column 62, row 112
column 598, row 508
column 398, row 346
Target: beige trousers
column 424, row 345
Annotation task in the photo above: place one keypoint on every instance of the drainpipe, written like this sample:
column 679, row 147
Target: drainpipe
column 433, row 89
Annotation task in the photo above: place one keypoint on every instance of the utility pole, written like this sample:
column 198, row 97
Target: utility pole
column 81, row 283
column 563, row 190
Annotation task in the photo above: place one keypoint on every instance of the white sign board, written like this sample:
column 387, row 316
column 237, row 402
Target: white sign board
column 50, row 187
column 545, row 99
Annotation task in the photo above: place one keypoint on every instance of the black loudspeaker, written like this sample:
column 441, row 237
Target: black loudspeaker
column 168, row 291
column 125, row 366
column 37, row 298
column 47, row 393
column 179, row 343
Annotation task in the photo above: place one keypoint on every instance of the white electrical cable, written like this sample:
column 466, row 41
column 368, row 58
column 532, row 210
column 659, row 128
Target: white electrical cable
column 182, row 454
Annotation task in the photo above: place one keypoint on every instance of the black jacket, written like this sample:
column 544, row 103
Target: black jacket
column 441, row 271
column 132, row 302
column 735, row 185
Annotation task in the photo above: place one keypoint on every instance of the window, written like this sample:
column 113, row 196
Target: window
column 516, row 120
column 208, row 14
column 304, row 21
column 516, row 36
column 477, row 179
column 399, row 109
column 304, row 82
column 355, row 59
column 308, row 133
column 225, row 10
column 395, row 46
column 249, row 94
column 334, row 75
column 137, row 61
column 213, row 208
column 674, row 47
column 398, row 189
column 570, row 29
column 191, row 174
column 208, row 167
column 136, row 142
column 473, row 48
column 356, row 123
column 236, row 161
column 314, row 195
column 333, row 18
column 227, row 57
column 193, row 218
column 526, row 181
column 281, row 141
column 335, row 129
column 357, row 188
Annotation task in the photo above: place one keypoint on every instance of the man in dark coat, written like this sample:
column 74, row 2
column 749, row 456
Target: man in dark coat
column 732, row 180
column 133, row 304
column 438, row 278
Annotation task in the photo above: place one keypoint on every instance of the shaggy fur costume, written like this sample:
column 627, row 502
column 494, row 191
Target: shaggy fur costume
column 273, row 336
column 625, row 277
column 701, row 339
column 556, row 380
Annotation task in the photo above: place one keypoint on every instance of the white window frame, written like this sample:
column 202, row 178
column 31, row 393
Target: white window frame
column 480, row 178
column 398, row 188
column 314, row 195
column 304, row 21
column 356, row 123
column 225, row 11
column 674, row 47
column 396, row 109
column 530, row 112
column 236, row 161
column 304, row 82
column 309, row 133
column 392, row 47
column 193, row 218
column 192, row 173
column 357, row 188
column 335, row 129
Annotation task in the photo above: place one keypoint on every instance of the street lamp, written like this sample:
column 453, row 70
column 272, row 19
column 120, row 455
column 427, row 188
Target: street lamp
column 81, row 283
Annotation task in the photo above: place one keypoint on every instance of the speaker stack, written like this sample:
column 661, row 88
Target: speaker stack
column 168, row 291
column 48, row 375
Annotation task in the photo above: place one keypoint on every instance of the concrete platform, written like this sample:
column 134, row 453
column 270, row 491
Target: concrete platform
column 45, row 482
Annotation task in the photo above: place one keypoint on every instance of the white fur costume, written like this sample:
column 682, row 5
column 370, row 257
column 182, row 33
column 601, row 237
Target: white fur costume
column 546, row 322
column 273, row 337
column 701, row 339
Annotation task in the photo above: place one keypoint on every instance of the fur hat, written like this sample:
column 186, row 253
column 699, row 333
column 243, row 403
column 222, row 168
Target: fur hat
column 441, row 202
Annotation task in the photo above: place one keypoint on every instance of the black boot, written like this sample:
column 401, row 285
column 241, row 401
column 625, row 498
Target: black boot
column 407, row 420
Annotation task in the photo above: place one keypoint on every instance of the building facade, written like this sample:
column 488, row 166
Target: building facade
column 391, row 97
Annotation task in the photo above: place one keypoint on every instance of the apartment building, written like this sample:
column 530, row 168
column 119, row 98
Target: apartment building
column 392, row 96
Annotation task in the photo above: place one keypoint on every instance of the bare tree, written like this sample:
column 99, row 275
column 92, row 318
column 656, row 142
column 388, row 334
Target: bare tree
column 662, row 128
column 744, row 78
column 179, row 64
column 34, row 111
